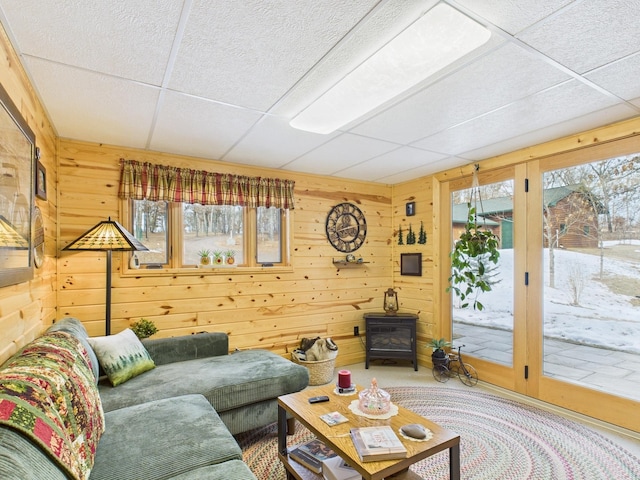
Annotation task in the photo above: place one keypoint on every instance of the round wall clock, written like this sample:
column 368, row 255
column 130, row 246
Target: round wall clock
column 346, row 227
column 38, row 238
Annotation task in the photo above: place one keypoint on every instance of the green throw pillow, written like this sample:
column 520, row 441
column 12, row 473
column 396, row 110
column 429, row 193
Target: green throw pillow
column 121, row 356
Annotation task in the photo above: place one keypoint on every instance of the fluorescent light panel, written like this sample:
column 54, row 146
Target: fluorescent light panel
column 437, row 39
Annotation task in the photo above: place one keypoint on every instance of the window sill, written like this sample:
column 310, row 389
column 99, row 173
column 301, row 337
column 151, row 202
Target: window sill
column 208, row 271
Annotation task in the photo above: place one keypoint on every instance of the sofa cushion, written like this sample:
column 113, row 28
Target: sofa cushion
column 22, row 459
column 76, row 328
column 163, row 439
column 228, row 381
column 121, row 356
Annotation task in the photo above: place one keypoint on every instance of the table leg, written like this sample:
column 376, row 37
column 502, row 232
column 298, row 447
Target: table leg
column 282, row 430
column 454, row 462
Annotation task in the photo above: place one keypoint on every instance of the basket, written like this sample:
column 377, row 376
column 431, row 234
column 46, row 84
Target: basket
column 320, row 372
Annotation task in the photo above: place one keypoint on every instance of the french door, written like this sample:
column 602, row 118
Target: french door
column 561, row 321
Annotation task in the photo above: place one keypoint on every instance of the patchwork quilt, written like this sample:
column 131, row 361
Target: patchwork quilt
column 48, row 392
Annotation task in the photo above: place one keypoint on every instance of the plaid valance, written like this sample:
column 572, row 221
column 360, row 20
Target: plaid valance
column 147, row 181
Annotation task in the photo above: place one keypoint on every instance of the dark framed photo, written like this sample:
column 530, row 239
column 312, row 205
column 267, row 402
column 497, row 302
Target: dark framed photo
column 411, row 264
column 410, row 209
column 41, row 181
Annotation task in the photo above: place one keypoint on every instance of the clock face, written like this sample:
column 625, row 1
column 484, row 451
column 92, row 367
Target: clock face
column 346, row 227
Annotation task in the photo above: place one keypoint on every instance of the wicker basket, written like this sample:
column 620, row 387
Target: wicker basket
column 321, row 372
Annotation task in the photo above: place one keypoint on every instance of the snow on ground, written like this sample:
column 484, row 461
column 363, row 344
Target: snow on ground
column 600, row 317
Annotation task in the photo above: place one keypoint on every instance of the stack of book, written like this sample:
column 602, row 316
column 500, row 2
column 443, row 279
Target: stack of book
column 375, row 444
column 311, row 454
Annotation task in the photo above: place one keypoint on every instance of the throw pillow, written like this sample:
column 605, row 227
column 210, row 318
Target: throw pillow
column 122, row 356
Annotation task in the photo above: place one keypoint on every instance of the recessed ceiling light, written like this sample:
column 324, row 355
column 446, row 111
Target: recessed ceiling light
column 437, row 39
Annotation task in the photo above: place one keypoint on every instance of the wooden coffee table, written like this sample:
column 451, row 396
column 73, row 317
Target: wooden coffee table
column 337, row 437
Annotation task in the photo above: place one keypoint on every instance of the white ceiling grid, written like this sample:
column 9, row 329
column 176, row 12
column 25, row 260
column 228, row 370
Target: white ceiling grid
column 221, row 80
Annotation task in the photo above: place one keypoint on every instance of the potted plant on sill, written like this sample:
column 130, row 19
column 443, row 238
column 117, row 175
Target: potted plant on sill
column 218, row 259
column 230, row 257
column 205, row 256
column 471, row 259
column 439, row 356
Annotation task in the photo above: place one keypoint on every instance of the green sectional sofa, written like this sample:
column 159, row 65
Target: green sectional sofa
column 174, row 421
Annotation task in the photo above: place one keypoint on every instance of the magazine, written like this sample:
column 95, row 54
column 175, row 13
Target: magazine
column 337, row 469
column 311, row 454
column 333, row 418
column 375, row 444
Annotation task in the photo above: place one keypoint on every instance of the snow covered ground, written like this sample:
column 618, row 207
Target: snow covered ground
column 600, row 317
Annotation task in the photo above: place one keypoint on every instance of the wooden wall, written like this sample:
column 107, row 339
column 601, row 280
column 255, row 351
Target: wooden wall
column 26, row 308
column 269, row 309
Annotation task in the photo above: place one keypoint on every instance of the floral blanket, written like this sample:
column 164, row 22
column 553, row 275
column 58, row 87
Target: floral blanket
column 48, row 392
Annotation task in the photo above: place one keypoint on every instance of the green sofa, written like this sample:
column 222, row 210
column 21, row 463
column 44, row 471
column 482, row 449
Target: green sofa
column 172, row 422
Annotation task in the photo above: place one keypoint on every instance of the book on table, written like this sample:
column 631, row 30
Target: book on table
column 333, row 418
column 375, row 444
column 311, row 454
column 336, row 468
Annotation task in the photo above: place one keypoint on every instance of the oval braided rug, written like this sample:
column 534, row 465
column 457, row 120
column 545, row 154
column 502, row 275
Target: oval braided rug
column 500, row 439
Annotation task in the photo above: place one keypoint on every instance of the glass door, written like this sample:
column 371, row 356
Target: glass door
column 484, row 319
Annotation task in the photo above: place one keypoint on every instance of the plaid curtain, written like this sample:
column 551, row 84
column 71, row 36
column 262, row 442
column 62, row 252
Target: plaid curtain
column 143, row 180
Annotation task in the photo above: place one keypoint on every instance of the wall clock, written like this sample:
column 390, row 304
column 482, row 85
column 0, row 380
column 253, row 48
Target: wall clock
column 346, row 227
column 38, row 238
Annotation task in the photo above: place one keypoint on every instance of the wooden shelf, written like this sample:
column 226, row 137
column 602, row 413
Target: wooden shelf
column 344, row 262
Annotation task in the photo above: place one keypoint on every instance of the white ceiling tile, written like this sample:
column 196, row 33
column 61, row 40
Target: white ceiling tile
column 620, row 78
column 429, row 169
column 504, row 76
column 94, row 107
column 591, row 120
column 127, row 39
column 403, row 158
column 273, row 143
column 339, row 153
column 564, row 102
column 192, row 126
column 513, row 16
column 251, row 53
column 589, row 34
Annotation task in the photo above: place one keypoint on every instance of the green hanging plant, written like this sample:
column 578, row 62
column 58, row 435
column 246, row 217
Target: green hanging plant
column 471, row 260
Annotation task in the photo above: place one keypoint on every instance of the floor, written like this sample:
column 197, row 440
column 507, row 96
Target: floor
column 402, row 374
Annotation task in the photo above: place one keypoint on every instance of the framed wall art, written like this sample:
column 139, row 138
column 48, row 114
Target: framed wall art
column 41, row 181
column 411, row 264
column 17, row 160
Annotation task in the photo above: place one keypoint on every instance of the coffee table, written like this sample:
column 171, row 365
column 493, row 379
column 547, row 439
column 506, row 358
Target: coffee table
column 337, row 437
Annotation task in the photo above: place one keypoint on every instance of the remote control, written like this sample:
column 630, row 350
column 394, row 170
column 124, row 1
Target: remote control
column 322, row 398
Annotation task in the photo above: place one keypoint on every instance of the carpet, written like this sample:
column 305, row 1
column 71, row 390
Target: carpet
column 500, row 439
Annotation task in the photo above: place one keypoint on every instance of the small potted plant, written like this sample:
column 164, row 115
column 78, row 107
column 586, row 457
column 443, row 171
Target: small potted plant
column 144, row 328
column 439, row 356
column 205, row 256
column 218, row 258
column 230, row 256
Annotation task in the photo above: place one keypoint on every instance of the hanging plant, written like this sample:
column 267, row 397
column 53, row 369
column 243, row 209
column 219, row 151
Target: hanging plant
column 471, row 260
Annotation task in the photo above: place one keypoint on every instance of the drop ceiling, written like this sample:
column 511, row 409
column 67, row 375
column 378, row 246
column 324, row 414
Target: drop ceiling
column 222, row 79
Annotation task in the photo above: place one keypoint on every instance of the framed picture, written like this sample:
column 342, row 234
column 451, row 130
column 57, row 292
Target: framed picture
column 41, row 181
column 410, row 209
column 411, row 264
column 17, row 166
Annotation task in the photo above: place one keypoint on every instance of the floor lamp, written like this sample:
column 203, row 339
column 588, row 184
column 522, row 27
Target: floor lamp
column 107, row 236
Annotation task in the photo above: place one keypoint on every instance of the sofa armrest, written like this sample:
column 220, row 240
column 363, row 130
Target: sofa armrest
column 187, row 347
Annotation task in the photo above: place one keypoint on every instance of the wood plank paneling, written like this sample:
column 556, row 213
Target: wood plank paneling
column 271, row 310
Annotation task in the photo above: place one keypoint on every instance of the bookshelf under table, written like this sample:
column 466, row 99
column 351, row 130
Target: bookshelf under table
column 337, row 437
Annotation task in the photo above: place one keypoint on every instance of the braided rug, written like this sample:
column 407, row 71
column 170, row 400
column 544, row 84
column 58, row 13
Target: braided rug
column 500, row 439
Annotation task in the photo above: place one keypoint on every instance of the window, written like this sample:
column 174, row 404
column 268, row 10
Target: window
column 254, row 236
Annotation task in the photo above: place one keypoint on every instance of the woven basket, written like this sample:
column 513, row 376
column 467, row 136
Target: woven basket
column 321, row 372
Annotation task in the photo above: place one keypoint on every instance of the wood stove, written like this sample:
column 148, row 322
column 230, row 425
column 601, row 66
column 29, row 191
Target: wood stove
column 391, row 337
